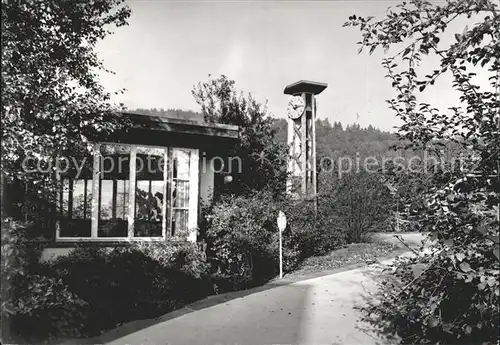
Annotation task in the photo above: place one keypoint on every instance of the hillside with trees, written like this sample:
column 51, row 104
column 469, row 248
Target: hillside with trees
column 333, row 139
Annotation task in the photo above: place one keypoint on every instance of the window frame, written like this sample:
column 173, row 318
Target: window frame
column 167, row 209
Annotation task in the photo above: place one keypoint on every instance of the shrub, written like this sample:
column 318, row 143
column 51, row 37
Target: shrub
column 188, row 259
column 425, row 302
column 138, row 281
column 239, row 235
column 449, row 294
column 291, row 252
column 185, row 256
column 19, row 252
column 35, row 303
column 312, row 233
column 242, row 237
column 45, row 307
column 359, row 203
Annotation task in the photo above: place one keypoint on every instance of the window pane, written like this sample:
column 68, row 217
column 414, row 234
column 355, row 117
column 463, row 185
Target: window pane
column 180, row 190
column 180, row 193
column 114, row 191
column 81, row 203
column 181, row 164
column 65, row 198
column 122, row 195
column 76, row 199
column 76, row 205
column 179, row 222
column 114, row 149
column 106, row 204
column 150, row 188
column 152, row 151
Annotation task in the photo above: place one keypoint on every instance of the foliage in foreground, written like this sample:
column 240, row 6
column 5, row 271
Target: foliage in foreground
column 449, row 294
column 34, row 301
column 134, row 282
column 95, row 288
column 52, row 102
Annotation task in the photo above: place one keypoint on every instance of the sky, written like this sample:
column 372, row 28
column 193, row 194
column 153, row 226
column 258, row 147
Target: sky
column 169, row 46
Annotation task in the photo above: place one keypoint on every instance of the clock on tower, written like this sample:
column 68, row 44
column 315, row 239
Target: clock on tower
column 296, row 107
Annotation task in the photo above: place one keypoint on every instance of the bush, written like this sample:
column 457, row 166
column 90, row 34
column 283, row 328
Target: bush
column 449, row 294
column 242, row 237
column 138, row 281
column 44, row 308
column 239, row 237
column 185, row 256
column 35, row 303
column 313, row 233
column 425, row 302
column 359, row 203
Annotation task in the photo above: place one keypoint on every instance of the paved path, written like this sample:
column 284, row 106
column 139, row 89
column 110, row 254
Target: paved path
column 315, row 311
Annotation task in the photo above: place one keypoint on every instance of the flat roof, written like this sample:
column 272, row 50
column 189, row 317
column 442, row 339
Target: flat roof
column 306, row 86
column 161, row 123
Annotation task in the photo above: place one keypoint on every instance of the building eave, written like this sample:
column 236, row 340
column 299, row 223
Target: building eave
column 164, row 124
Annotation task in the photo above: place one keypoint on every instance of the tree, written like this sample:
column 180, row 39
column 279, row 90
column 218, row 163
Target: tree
column 52, row 102
column 359, row 202
column 450, row 294
column 262, row 156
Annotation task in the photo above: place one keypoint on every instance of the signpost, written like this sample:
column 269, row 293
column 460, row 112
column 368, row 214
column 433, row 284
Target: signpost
column 281, row 226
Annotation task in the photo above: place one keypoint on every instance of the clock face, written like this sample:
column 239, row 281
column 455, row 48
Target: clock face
column 296, row 106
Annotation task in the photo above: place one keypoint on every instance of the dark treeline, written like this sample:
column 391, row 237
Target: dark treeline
column 171, row 113
column 334, row 140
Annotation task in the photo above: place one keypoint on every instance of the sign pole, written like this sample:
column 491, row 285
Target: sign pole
column 281, row 258
column 281, row 226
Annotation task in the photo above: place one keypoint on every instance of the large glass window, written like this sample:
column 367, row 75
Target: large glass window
column 180, row 190
column 141, row 192
column 114, row 176
column 149, row 192
column 76, row 208
column 76, row 200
